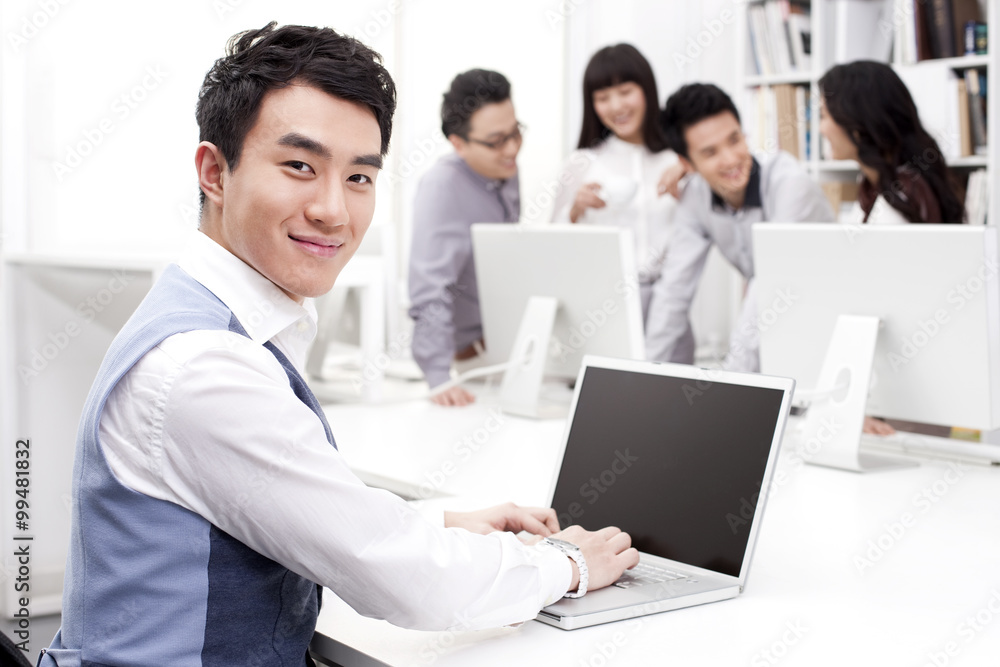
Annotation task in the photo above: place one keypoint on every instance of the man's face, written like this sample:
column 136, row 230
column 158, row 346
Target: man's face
column 303, row 193
column 718, row 151
column 491, row 124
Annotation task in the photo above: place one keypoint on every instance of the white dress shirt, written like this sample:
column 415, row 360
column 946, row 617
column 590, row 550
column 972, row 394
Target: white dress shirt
column 207, row 420
column 647, row 213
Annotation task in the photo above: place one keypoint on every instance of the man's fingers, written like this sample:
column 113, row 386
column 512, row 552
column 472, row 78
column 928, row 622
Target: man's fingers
column 630, row 557
column 608, row 532
column 620, row 542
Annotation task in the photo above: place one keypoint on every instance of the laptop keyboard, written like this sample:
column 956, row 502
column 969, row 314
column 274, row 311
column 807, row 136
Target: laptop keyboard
column 644, row 573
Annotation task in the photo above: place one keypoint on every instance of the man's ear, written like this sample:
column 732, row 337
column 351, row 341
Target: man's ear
column 458, row 143
column 687, row 164
column 210, row 164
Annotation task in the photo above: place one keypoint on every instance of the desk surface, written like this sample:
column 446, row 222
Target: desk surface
column 892, row 568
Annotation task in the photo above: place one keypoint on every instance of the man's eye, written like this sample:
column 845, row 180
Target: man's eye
column 299, row 166
column 360, row 178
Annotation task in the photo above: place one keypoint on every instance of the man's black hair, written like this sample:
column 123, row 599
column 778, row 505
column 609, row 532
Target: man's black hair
column 690, row 105
column 270, row 58
column 469, row 92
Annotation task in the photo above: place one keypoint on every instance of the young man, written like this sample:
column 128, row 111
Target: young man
column 209, row 497
column 729, row 191
column 476, row 183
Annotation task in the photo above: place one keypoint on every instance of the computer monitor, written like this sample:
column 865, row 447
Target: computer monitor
column 916, row 307
column 562, row 291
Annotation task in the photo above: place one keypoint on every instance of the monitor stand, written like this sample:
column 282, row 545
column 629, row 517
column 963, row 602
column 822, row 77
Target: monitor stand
column 832, row 428
column 521, row 387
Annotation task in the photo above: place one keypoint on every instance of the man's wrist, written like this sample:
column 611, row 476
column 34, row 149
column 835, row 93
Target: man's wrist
column 580, row 577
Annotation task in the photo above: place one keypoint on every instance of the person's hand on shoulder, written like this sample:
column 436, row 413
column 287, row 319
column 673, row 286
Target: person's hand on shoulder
column 608, row 552
column 454, row 397
column 586, row 197
column 507, row 517
column 670, row 181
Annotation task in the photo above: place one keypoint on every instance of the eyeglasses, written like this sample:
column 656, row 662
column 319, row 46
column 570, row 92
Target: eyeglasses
column 516, row 136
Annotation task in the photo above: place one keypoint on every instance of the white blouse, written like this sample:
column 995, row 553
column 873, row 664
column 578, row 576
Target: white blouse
column 647, row 213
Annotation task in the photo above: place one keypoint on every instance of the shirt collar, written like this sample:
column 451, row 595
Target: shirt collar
column 752, row 198
column 491, row 184
column 258, row 304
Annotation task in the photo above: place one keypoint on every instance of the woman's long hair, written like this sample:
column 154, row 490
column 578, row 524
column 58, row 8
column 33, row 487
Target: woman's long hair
column 873, row 106
column 613, row 65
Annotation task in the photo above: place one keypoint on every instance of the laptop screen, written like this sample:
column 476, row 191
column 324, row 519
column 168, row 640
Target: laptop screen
column 675, row 462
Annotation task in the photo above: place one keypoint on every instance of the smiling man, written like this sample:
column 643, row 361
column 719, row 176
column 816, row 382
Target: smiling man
column 476, row 183
column 210, row 502
column 729, row 191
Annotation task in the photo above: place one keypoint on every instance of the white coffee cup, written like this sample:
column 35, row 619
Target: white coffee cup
column 617, row 190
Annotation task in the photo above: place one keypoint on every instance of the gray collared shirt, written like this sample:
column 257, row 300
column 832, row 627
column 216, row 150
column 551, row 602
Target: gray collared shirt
column 444, row 298
column 779, row 190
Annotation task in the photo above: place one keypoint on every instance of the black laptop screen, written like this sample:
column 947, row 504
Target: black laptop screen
column 676, row 463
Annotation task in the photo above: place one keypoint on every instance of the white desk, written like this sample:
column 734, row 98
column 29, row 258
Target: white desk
column 810, row 598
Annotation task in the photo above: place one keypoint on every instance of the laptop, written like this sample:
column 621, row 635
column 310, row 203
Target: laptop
column 677, row 456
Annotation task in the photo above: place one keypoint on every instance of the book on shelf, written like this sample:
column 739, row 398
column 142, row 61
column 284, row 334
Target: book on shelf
column 862, row 30
column 975, row 84
column 777, row 118
column 929, row 29
column 977, row 198
column 964, row 119
column 780, row 36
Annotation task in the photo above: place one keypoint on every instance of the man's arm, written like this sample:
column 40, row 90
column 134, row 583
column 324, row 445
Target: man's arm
column 795, row 197
column 441, row 247
column 672, row 294
column 214, row 427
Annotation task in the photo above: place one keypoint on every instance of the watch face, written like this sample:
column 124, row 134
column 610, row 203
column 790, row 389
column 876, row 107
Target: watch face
column 562, row 543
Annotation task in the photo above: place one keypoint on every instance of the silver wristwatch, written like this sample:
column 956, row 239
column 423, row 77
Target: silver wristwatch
column 573, row 552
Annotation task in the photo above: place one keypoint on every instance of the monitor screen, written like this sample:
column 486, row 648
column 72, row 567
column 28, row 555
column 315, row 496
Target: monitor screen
column 934, row 290
column 589, row 270
column 676, row 463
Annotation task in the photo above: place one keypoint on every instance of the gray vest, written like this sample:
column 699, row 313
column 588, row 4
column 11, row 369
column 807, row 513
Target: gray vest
column 149, row 582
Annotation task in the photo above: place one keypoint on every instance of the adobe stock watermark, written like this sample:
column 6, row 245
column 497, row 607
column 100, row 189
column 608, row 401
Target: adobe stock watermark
column 695, row 46
column 605, row 652
column 121, row 109
column 378, row 20
column 928, row 329
column 255, row 489
column 923, row 501
column 551, row 188
column 743, row 517
column 462, row 451
column 791, row 635
column 967, row 630
column 562, row 12
column 32, row 24
column 224, row 7
column 42, row 355
column 409, row 164
column 592, row 490
column 442, row 642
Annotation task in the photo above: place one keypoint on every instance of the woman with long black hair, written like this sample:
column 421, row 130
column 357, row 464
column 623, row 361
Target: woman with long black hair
column 622, row 169
column 868, row 115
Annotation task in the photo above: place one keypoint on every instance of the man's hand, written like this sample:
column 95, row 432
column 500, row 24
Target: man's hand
column 670, row 181
column 508, row 517
column 456, row 396
column 875, row 426
column 586, row 197
column 608, row 553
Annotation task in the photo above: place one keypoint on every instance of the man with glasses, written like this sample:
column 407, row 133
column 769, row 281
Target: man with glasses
column 476, row 183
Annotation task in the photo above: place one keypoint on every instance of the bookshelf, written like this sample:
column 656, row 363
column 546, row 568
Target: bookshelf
column 847, row 30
